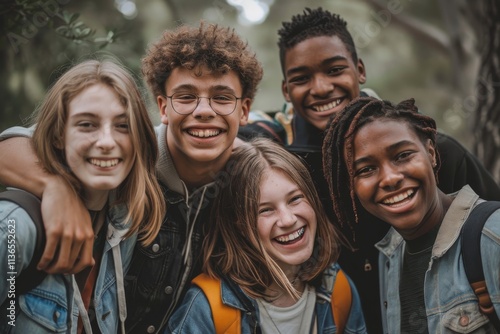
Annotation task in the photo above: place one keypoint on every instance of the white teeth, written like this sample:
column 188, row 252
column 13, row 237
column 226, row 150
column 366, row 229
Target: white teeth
column 104, row 163
column 204, row 133
column 328, row 106
column 398, row 198
column 292, row 236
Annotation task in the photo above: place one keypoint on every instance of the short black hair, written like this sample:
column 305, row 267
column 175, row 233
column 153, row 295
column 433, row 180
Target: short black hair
column 314, row 23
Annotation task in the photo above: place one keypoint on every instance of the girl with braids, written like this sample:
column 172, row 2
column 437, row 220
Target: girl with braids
column 382, row 158
column 272, row 250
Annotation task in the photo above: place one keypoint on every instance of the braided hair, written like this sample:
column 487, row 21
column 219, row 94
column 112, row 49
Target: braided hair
column 338, row 146
column 314, row 23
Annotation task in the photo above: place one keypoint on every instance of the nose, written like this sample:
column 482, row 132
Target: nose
column 391, row 177
column 204, row 110
column 105, row 139
column 321, row 85
column 286, row 217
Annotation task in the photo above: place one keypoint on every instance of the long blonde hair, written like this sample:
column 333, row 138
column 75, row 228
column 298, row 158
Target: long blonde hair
column 233, row 246
column 140, row 191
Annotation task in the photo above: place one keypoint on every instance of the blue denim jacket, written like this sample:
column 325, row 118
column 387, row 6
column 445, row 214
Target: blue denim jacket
column 51, row 307
column 451, row 305
column 194, row 315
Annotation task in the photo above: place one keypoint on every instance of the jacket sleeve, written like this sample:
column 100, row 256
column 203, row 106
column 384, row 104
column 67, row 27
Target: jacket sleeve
column 192, row 316
column 17, row 131
column 490, row 257
column 17, row 232
column 460, row 167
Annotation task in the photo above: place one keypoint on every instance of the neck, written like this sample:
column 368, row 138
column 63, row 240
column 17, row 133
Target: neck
column 197, row 173
column 95, row 200
column 284, row 298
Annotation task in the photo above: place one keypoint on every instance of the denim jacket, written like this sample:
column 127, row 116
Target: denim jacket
column 52, row 306
column 451, row 305
column 194, row 314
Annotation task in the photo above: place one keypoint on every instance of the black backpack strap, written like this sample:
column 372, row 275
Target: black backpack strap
column 471, row 254
column 31, row 276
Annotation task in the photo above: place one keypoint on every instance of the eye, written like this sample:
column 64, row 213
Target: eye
column 123, row 127
column 297, row 198
column 335, row 70
column 404, row 156
column 181, row 97
column 264, row 210
column 364, row 171
column 223, row 99
column 86, row 125
column 299, row 79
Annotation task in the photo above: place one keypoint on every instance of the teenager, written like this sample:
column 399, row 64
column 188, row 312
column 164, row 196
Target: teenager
column 273, row 249
column 89, row 130
column 204, row 80
column 383, row 157
column 321, row 75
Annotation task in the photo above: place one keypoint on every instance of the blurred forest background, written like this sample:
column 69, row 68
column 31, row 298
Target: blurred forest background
column 445, row 54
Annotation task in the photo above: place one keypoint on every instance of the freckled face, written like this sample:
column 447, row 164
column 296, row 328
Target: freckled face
column 394, row 177
column 286, row 221
column 97, row 143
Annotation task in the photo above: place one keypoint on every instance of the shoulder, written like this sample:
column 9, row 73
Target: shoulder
column 12, row 215
column 193, row 314
column 492, row 227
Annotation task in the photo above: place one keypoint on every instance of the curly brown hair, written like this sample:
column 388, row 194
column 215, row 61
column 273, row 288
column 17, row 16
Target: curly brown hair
column 218, row 48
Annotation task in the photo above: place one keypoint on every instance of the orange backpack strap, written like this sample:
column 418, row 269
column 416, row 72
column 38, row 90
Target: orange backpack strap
column 227, row 320
column 341, row 301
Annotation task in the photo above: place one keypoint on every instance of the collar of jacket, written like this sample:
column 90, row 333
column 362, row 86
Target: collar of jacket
column 459, row 210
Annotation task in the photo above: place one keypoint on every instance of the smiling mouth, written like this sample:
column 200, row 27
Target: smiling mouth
column 328, row 106
column 204, row 133
column 399, row 199
column 104, row 163
column 291, row 238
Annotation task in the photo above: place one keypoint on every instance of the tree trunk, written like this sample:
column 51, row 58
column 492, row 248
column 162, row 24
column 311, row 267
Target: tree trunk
column 486, row 119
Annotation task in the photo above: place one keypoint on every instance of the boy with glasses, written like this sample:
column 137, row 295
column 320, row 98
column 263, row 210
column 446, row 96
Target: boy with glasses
column 204, row 80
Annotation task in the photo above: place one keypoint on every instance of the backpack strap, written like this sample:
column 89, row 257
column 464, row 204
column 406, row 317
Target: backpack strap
column 471, row 255
column 341, row 301
column 226, row 319
column 31, row 276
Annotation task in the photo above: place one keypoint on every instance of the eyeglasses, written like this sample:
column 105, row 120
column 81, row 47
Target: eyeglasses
column 222, row 104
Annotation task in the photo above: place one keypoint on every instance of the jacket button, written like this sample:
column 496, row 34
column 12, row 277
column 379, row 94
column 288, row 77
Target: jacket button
column 169, row 290
column 151, row 329
column 464, row 321
column 155, row 248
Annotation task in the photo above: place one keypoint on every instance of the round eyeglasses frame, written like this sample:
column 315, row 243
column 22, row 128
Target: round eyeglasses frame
column 210, row 100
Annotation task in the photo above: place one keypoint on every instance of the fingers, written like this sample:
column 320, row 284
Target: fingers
column 68, row 253
column 68, row 228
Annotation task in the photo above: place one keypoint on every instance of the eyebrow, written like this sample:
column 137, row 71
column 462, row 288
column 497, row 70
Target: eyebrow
column 95, row 115
column 287, row 194
column 389, row 148
column 216, row 88
column 303, row 68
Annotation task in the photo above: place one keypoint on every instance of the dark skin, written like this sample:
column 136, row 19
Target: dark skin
column 394, row 177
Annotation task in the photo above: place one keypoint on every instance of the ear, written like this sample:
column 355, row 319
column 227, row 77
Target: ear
column 246, row 103
column 162, row 106
column 59, row 143
column 361, row 71
column 284, row 90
